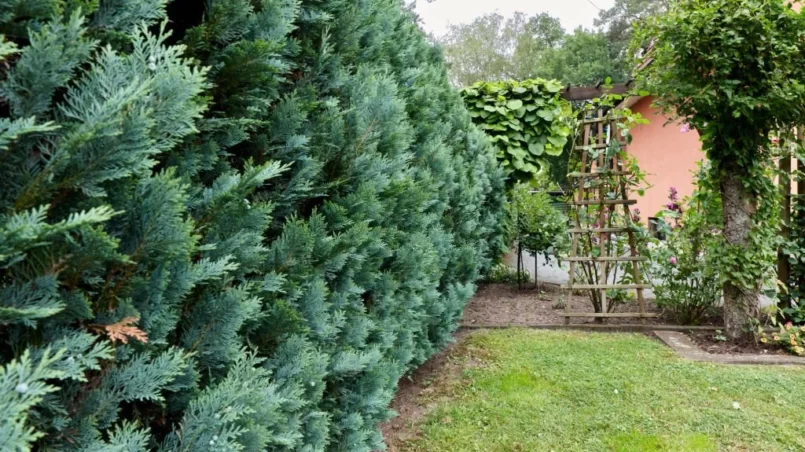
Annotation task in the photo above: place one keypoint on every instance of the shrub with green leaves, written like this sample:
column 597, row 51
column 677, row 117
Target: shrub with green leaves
column 527, row 121
column 503, row 273
column 538, row 226
column 238, row 236
column 687, row 283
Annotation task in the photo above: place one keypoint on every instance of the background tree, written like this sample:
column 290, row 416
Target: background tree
column 494, row 48
column 537, row 226
column 733, row 69
column 520, row 47
column 618, row 21
column 539, row 33
column 584, row 58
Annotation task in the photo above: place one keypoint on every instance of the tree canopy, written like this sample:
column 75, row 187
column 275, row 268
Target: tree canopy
column 495, row 48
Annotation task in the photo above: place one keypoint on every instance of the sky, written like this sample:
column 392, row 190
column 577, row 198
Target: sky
column 572, row 13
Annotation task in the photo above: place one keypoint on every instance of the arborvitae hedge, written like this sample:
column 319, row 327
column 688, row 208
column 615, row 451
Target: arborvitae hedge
column 236, row 237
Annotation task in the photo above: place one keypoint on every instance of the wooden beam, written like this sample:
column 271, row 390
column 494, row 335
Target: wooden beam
column 606, row 286
column 606, row 258
column 799, row 200
column 599, row 230
column 599, row 174
column 611, row 314
column 612, row 327
column 783, row 265
column 604, row 202
column 591, row 92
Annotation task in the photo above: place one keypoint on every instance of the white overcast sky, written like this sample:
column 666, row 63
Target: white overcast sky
column 572, row 13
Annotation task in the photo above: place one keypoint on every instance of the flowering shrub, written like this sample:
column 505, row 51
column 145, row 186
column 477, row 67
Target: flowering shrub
column 789, row 337
column 687, row 284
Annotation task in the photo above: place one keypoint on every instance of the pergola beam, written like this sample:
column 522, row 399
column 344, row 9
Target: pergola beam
column 576, row 93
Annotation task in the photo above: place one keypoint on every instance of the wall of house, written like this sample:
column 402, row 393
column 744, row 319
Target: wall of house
column 666, row 153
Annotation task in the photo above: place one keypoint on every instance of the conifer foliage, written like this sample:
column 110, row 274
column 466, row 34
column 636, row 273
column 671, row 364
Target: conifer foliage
column 228, row 225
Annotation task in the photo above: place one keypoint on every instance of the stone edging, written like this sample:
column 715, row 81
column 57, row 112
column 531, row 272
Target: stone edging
column 686, row 348
column 612, row 327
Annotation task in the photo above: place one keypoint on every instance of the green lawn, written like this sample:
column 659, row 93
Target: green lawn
column 563, row 391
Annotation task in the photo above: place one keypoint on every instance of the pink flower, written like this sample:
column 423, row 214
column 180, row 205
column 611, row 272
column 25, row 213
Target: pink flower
column 673, row 260
column 775, row 140
column 685, row 128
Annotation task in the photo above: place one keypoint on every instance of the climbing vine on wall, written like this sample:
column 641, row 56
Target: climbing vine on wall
column 527, row 121
column 732, row 69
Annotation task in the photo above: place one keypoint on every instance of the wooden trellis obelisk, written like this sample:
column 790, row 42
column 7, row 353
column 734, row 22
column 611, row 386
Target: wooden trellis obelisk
column 601, row 183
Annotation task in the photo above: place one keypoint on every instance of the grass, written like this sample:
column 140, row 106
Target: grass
column 573, row 391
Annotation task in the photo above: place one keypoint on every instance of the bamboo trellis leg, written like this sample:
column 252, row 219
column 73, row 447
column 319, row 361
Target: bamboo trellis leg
column 600, row 140
column 641, row 301
column 575, row 247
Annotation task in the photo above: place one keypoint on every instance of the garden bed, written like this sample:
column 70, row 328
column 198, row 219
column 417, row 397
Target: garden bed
column 713, row 342
column 504, row 304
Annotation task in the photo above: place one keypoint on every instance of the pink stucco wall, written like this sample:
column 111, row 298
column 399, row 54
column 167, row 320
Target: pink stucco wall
column 666, row 154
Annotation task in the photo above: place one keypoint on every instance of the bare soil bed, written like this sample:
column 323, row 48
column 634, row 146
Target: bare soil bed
column 711, row 343
column 503, row 304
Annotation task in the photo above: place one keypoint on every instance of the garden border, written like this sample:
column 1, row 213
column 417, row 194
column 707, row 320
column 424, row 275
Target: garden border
column 686, row 348
column 671, row 335
column 619, row 328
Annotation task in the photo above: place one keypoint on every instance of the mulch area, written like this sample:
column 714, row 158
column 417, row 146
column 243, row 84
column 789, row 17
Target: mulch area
column 712, row 343
column 503, row 304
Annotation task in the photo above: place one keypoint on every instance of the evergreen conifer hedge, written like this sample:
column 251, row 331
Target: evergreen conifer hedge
column 228, row 225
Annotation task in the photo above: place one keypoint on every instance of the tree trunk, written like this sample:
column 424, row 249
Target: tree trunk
column 783, row 263
column 739, row 205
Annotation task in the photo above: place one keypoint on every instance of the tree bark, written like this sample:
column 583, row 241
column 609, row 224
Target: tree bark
column 739, row 206
column 783, row 264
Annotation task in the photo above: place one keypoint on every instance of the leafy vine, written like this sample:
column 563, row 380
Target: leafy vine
column 526, row 120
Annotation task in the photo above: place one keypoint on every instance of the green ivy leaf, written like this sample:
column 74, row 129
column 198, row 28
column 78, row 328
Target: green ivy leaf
column 546, row 114
column 515, row 104
column 536, row 148
column 518, row 153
